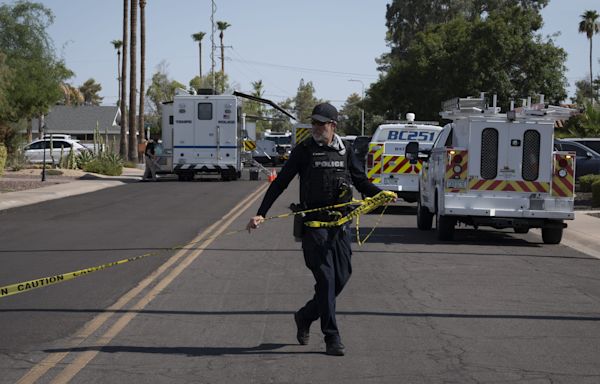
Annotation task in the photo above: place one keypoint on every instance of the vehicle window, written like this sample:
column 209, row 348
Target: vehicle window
column 571, row 147
column 205, row 111
column 593, row 144
column 489, row 153
column 37, row 145
column 57, row 144
column 531, row 155
column 444, row 137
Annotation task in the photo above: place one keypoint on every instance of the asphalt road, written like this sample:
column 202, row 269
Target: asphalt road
column 490, row 307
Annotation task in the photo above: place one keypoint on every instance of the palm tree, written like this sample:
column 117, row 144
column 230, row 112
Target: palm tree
column 198, row 37
column 589, row 25
column 90, row 90
column 142, row 65
column 133, row 150
column 222, row 26
column 123, row 144
column 117, row 44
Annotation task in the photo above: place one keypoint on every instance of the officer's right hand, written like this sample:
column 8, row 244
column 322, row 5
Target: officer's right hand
column 254, row 222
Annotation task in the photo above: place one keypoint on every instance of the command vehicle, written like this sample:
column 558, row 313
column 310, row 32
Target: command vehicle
column 201, row 134
column 488, row 168
column 386, row 165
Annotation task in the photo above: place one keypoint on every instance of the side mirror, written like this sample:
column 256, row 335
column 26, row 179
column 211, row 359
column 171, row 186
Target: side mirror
column 588, row 155
column 411, row 152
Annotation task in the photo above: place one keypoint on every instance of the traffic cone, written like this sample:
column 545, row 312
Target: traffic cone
column 272, row 176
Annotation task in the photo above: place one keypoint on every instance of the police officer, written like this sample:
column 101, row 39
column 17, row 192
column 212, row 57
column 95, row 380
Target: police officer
column 327, row 168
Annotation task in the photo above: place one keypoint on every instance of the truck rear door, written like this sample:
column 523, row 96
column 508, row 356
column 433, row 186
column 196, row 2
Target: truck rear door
column 206, row 133
column 510, row 157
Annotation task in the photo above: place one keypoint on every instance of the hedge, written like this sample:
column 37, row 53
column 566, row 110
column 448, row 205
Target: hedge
column 3, row 155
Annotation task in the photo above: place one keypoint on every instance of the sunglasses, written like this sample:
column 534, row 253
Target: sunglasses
column 319, row 123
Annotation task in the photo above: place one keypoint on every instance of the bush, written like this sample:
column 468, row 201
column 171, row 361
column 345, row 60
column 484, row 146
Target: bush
column 596, row 194
column 108, row 164
column 585, row 182
column 83, row 158
column 3, row 156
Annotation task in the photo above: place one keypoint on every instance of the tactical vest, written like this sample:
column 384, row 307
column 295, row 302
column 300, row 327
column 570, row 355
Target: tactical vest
column 328, row 179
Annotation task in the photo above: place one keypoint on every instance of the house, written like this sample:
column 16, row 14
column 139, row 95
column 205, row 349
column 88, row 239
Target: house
column 81, row 121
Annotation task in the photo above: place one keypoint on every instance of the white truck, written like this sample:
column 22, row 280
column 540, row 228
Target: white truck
column 386, row 165
column 283, row 144
column 495, row 169
column 201, row 134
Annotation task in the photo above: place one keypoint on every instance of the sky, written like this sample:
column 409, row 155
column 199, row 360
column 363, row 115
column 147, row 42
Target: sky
column 332, row 44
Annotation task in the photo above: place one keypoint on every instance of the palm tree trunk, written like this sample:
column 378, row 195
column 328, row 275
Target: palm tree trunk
column 142, row 67
column 222, row 64
column 123, row 144
column 200, row 59
column 133, row 150
column 591, row 76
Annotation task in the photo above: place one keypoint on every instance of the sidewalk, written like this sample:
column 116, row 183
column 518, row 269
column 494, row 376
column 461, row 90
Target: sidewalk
column 582, row 234
column 89, row 183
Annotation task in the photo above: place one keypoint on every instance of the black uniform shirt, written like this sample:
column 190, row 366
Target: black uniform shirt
column 299, row 163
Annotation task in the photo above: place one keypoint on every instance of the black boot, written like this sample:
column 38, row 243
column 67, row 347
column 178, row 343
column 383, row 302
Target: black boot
column 335, row 348
column 303, row 333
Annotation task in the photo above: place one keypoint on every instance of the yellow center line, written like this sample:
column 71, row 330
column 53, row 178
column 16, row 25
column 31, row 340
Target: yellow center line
column 36, row 372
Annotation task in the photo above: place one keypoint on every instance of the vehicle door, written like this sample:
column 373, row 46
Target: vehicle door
column 434, row 168
column 59, row 147
column 510, row 154
column 206, row 131
column 34, row 152
column 184, row 115
column 224, row 125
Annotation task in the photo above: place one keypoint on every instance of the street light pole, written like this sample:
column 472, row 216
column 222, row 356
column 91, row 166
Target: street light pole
column 44, row 154
column 362, row 109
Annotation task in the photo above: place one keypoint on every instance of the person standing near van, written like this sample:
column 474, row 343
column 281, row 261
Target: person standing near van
column 150, row 160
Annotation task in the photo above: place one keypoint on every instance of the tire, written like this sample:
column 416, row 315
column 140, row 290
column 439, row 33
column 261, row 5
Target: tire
column 521, row 230
column 185, row 176
column 424, row 217
column 552, row 235
column 445, row 227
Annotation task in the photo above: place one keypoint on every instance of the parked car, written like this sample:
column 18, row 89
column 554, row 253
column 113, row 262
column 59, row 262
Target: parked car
column 587, row 161
column 34, row 151
column 590, row 142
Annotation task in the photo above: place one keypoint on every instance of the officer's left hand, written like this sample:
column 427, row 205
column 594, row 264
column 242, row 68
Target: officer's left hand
column 254, row 222
column 391, row 196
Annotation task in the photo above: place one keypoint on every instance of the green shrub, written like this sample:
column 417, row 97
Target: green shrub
column 83, row 158
column 108, row 164
column 596, row 194
column 130, row 164
column 3, row 156
column 585, row 182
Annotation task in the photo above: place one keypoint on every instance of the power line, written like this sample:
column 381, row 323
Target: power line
column 289, row 67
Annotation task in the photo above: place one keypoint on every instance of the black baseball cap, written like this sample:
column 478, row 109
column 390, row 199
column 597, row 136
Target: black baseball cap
column 324, row 113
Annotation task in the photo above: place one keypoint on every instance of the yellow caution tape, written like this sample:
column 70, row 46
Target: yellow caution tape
column 45, row 281
column 365, row 206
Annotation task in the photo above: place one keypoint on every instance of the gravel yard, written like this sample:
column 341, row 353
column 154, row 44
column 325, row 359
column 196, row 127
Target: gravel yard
column 24, row 179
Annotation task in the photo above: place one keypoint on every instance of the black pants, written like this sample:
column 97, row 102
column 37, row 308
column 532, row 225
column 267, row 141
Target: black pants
column 327, row 254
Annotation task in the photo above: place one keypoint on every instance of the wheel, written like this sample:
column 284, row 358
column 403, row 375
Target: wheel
column 521, row 229
column 424, row 217
column 552, row 235
column 185, row 176
column 445, row 227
